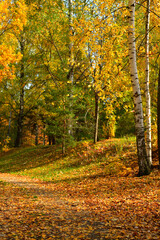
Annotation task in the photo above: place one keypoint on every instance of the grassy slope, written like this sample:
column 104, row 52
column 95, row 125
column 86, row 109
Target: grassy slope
column 108, row 157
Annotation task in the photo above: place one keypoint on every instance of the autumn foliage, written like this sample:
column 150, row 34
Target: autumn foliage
column 68, row 155
column 12, row 20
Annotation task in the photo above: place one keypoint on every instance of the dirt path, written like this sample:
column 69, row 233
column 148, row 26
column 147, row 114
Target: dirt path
column 31, row 209
column 42, row 192
column 19, row 180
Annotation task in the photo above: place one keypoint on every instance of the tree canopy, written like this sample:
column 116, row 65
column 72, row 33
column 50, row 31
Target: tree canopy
column 65, row 75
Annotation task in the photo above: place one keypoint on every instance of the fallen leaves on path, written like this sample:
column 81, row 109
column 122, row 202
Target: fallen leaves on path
column 98, row 208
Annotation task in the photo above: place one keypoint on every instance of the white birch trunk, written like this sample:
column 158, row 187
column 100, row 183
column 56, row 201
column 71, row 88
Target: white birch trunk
column 147, row 93
column 139, row 123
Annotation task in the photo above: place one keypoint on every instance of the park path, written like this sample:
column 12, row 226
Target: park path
column 18, row 180
column 31, row 209
column 42, row 190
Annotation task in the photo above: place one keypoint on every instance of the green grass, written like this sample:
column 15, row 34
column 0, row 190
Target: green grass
column 85, row 160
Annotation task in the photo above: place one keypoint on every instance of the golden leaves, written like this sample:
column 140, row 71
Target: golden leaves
column 100, row 34
column 7, row 57
column 12, row 20
column 12, row 16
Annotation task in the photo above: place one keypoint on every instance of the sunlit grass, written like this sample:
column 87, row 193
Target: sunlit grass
column 85, row 160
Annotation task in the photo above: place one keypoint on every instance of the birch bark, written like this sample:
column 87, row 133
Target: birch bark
column 147, row 92
column 144, row 168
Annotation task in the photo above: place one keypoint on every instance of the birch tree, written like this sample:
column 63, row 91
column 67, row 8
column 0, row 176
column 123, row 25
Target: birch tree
column 144, row 166
column 147, row 92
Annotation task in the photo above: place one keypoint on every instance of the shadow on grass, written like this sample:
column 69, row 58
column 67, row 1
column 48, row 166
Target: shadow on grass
column 34, row 157
column 28, row 158
column 79, row 179
column 41, row 156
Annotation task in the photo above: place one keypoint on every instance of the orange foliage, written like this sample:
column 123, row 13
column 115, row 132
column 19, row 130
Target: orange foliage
column 12, row 20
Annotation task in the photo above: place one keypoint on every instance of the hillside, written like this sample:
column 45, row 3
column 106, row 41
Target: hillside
column 108, row 157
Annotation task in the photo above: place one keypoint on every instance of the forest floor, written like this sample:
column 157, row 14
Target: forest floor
column 90, row 193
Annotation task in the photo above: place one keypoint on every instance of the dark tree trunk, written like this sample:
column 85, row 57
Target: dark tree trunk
column 158, row 116
column 9, row 125
column 44, row 135
column 18, row 140
column 96, row 117
column 71, row 65
column 49, row 139
column 64, row 138
column 36, row 135
column 52, row 140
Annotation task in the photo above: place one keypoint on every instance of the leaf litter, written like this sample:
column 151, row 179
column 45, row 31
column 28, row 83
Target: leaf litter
column 88, row 204
column 101, row 208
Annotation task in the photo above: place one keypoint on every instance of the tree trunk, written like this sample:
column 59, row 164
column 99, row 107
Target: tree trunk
column 147, row 92
column 71, row 65
column 96, row 117
column 143, row 163
column 49, row 139
column 71, row 55
column 64, row 138
column 18, row 140
column 52, row 140
column 158, row 116
column 44, row 135
column 9, row 125
column 64, row 131
column 36, row 134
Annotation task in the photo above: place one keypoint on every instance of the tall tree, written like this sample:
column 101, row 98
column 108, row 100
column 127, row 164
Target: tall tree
column 99, row 29
column 147, row 92
column 20, row 117
column 144, row 166
column 96, row 117
column 71, row 61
